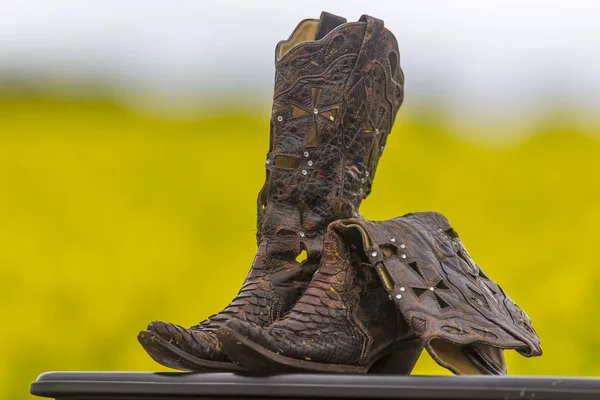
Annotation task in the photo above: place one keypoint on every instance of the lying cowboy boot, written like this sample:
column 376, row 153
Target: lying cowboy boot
column 462, row 317
column 338, row 88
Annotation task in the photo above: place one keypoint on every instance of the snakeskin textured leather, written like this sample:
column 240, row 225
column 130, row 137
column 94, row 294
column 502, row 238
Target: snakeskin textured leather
column 344, row 322
column 345, row 317
column 335, row 101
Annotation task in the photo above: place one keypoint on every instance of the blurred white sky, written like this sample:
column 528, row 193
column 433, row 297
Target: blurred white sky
column 495, row 58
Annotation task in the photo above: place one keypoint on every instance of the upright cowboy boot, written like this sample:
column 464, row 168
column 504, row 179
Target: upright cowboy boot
column 338, row 87
column 345, row 321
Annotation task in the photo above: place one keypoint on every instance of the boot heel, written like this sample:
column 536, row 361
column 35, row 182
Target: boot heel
column 399, row 362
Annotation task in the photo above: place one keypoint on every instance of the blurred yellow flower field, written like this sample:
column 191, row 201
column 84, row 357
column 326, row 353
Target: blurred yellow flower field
column 109, row 220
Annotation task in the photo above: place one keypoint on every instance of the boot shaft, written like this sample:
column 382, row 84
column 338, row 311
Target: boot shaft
column 335, row 100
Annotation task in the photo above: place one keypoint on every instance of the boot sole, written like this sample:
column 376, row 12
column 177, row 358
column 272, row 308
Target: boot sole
column 255, row 358
column 172, row 356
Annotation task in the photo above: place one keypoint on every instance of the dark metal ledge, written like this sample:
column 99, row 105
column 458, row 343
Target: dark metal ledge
column 157, row 386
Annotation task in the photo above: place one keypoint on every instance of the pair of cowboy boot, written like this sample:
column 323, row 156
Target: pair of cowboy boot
column 383, row 291
column 338, row 87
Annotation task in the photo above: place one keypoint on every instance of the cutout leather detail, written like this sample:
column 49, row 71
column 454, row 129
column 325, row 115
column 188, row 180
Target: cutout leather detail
column 286, row 232
column 388, row 250
column 415, row 268
column 441, row 285
column 298, row 112
column 326, row 112
column 312, row 137
column 441, row 301
column 302, row 256
column 388, row 282
column 329, row 114
column 287, row 162
column 262, row 196
column 375, row 122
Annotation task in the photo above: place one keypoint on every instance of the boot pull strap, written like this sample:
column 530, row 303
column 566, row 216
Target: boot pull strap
column 372, row 44
column 327, row 23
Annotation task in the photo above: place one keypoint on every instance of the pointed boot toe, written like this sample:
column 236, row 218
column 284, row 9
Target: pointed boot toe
column 176, row 347
column 261, row 350
column 239, row 341
column 243, row 335
column 272, row 340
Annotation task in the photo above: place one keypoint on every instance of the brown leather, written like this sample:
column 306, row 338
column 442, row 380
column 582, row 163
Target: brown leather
column 344, row 318
column 347, row 319
column 334, row 103
column 327, row 23
column 464, row 319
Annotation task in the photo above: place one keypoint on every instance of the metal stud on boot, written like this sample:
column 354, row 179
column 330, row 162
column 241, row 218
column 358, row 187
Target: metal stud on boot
column 338, row 87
